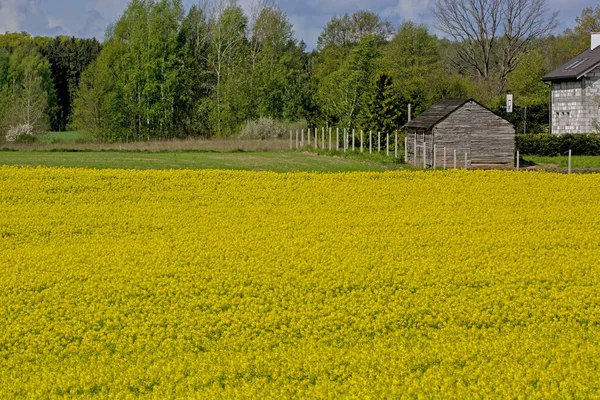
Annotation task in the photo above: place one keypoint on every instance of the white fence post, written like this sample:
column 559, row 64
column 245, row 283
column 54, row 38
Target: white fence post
column 396, row 146
column 570, row 161
column 424, row 154
column 323, row 138
column 329, row 138
column 296, row 138
column 387, row 144
column 345, row 140
column 361, row 140
column 415, row 152
column 518, row 161
column 379, row 142
column 316, row 138
column 337, row 138
column 406, row 149
column 454, row 158
column 353, row 140
column 466, row 165
column 370, row 142
column 444, row 158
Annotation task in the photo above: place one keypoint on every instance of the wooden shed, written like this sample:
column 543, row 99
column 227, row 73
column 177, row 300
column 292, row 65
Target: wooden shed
column 462, row 127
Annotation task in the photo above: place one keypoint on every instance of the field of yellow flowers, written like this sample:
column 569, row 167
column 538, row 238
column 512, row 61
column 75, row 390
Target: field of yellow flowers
column 213, row 284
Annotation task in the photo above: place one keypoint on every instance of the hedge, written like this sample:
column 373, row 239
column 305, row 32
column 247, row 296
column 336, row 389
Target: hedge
column 557, row 145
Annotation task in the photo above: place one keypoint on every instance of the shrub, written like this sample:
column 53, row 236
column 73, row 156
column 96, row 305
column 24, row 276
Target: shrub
column 20, row 134
column 265, row 128
column 555, row 145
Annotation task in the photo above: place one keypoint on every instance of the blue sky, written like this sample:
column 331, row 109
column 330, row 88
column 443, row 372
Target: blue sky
column 89, row 18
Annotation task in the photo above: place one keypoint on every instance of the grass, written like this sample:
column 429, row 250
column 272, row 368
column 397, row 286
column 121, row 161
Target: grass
column 562, row 162
column 62, row 137
column 258, row 161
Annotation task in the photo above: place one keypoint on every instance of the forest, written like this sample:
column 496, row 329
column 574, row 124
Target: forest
column 216, row 70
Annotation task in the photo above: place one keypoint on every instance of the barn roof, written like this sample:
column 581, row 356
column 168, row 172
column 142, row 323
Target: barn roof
column 436, row 113
column 576, row 67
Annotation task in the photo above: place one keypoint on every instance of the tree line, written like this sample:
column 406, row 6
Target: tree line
column 164, row 72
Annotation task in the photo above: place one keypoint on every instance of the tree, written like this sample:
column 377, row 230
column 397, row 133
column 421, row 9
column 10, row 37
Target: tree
column 30, row 92
column 347, row 31
column 226, row 61
column 383, row 107
column 341, row 94
column 492, row 35
column 412, row 60
column 275, row 60
column 68, row 58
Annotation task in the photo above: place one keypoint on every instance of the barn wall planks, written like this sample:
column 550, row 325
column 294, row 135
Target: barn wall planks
column 486, row 138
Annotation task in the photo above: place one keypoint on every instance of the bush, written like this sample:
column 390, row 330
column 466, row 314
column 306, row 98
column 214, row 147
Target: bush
column 556, row 145
column 20, row 134
column 265, row 128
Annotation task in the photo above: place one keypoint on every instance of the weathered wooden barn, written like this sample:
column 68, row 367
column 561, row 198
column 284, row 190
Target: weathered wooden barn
column 464, row 127
column 575, row 92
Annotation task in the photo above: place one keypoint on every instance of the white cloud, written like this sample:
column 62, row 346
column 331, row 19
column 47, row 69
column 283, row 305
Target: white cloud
column 413, row 10
column 13, row 12
column 58, row 24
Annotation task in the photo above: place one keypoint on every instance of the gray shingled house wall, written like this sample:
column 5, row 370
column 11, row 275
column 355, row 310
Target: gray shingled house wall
column 576, row 104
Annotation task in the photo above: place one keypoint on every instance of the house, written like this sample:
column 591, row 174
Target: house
column 575, row 92
column 462, row 127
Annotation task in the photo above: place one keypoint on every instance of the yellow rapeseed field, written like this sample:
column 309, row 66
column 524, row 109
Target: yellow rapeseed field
column 209, row 284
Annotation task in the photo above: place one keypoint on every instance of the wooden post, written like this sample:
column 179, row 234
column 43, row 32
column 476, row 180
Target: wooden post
column 387, row 151
column 337, row 138
column 379, row 142
column 434, row 156
column 466, row 165
column 454, row 158
column 570, row 161
column 329, row 138
column 361, row 140
column 518, row 161
column 370, row 142
column 424, row 154
column 353, row 140
column 444, row 158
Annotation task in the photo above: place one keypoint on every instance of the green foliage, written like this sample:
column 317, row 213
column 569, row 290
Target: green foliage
column 383, row 107
column 555, row 145
column 342, row 94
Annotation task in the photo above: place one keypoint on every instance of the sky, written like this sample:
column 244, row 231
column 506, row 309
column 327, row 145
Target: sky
column 89, row 18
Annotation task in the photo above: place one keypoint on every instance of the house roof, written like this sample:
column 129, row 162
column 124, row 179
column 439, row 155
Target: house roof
column 436, row 113
column 576, row 67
